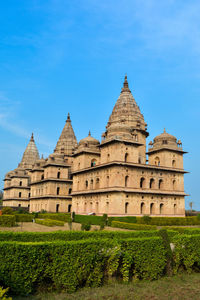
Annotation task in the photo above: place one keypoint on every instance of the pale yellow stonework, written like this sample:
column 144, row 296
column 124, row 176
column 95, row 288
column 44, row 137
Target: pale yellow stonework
column 110, row 177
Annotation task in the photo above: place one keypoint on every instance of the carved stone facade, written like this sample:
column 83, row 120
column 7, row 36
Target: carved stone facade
column 110, row 177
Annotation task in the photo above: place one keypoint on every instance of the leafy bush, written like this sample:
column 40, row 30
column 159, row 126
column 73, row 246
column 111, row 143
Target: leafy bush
column 171, row 221
column 56, row 216
column 24, row 218
column 102, row 225
column 7, row 211
column 132, row 226
column 86, row 226
column 70, row 265
column 3, row 293
column 75, row 235
column 94, row 220
column 7, row 221
column 48, row 222
column 186, row 252
column 73, row 216
column 122, row 219
column 143, row 258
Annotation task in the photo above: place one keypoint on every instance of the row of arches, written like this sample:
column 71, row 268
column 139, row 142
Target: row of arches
column 58, row 191
column 152, row 184
column 157, row 162
column 144, row 209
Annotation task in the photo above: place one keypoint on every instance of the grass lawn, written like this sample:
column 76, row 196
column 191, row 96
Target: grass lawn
column 180, row 287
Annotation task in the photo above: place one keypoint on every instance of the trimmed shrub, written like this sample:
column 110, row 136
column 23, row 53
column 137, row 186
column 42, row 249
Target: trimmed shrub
column 50, row 223
column 75, row 235
column 132, row 226
column 86, row 226
column 143, row 258
column 186, row 252
column 122, row 219
column 171, row 221
column 93, row 220
column 24, row 218
column 55, row 216
column 67, row 266
column 7, row 211
column 7, row 221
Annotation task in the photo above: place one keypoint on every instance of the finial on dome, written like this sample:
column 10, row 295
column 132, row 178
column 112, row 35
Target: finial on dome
column 89, row 134
column 164, row 130
column 125, row 85
column 32, row 137
column 68, row 117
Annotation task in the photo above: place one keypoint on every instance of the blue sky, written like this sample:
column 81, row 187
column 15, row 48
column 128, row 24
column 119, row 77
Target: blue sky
column 60, row 56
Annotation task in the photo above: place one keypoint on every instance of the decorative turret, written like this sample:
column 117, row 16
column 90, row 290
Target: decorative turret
column 30, row 155
column 89, row 143
column 166, row 151
column 67, row 142
column 126, row 119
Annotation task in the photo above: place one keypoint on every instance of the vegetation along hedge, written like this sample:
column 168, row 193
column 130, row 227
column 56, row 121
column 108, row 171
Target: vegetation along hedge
column 170, row 221
column 7, row 220
column 132, row 226
column 93, row 220
column 75, row 235
column 56, row 216
column 186, row 252
column 48, row 222
column 71, row 265
column 24, row 218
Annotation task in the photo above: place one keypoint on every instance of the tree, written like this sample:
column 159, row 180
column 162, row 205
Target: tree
column 191, row 204
column 1, row 197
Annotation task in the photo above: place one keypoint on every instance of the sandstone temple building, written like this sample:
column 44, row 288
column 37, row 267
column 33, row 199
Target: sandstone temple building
column 113, row 176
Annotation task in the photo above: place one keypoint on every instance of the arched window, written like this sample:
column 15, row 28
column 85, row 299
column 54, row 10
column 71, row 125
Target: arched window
column 93, row 162
column 86, row 184
column 70, row 191
column 20, row 194
column 157, row 161
column 91, row 184
column 173, row 163
column 57, row 207
column 58, row 191
column 97, row 207
column 85, row 206
column 152, row 183
column 20, row 183
column 126, row 181
column 107, row 181
column 175, row 209
column 58, row 175
column 42, row 176
column 161, row 208
column 160, row 184
column 139, row 160
column 126, row 207
column 97, row 183
column 142, row 208
column 91, row 206
column 126, row 157
column 69, row 208
column 19, row 205
column 152, row 209
column 107, row 207
column 108, row 157
column 142, row 182
column 174, row 184
column 79, row 165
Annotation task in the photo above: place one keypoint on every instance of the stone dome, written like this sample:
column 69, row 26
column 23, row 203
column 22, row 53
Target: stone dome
column 165, row 136
column 89, row 141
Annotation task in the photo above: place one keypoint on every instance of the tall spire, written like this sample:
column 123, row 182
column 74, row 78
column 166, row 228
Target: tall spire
column 67, row 141
column 126, row 116
column 125, row 85
column 30, row 155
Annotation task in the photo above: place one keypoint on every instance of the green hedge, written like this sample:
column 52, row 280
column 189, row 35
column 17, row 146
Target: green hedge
column 131, row 226
column 67, row 266
column 122, row 219
column 170, row 221
column 75, row 235
column 56, row 216
column 186, row 252
column 50, row 223
column 7, row 221
column 93, row 220
column 24, row 218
